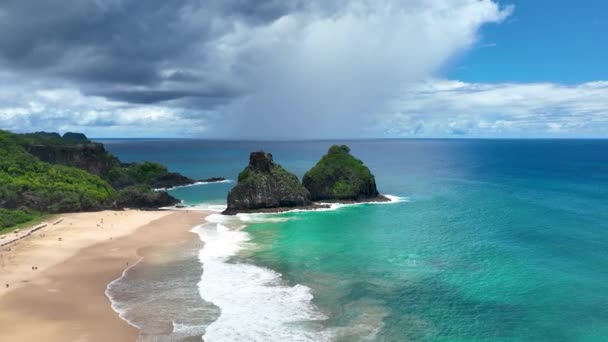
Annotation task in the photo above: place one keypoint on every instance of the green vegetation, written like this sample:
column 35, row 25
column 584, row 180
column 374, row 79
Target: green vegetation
column 142, row 196
column 264, row 184
column 340, row 176
column 343, row 189
column 29, row 186
column 43, row 138
column 27, row 182
column 146, row 172
column 243, row 175
column 9, row 218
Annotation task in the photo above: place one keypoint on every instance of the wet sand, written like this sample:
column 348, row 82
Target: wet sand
column 64, row 298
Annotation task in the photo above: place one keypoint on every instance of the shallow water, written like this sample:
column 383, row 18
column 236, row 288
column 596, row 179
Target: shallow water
column 159, row 294
column 497, row 240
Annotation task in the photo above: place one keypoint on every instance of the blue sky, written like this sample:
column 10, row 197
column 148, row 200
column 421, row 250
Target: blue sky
column 301, row 69
column 542, row 41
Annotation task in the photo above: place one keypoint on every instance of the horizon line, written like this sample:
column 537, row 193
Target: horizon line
column 348, row 139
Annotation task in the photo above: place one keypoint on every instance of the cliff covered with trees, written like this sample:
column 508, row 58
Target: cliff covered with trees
column 49, row 173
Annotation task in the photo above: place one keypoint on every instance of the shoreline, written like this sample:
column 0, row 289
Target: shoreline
column 58, row 277
column 316, row 205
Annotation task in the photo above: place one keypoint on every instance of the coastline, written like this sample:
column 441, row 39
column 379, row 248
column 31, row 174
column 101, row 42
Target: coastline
column 316, row 205
column 59, row 286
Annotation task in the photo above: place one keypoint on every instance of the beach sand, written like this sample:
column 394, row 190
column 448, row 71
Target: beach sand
column 64, row 299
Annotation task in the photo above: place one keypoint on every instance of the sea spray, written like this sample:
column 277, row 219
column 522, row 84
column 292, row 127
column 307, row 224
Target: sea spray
column 256, row 303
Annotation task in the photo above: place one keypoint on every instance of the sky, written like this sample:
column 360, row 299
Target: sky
column 296, row 69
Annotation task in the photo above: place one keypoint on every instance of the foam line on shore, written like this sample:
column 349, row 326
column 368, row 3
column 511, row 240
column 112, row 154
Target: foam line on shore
column 115, row 305
column 218, row 208
column 241, row 289
column 193, row 184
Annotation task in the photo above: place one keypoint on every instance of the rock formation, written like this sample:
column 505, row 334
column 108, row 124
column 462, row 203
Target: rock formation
column 142, row 197
column 47, row 173
column 75, row 137
column 266, row 185
column 91, row 157
column 339, row 176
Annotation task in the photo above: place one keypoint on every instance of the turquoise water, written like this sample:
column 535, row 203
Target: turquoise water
column 494, row 240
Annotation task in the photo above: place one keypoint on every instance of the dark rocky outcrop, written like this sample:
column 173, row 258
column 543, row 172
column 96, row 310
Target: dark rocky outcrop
column 91, row 157
column 213, row 180
column 46, row 135
column 171, row 180
column 264, row 185
column 339, row 176
column 76, row 150
column 142, row 197
column 174, row 179
column 75, row 137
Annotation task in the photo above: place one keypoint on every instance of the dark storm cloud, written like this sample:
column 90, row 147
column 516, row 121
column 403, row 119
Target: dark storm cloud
column 40, row 34
column 106, row 44
column 155, row 96
column 231, row 68
column 259, row 11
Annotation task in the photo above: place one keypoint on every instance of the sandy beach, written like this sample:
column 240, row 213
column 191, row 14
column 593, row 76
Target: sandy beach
column 58, row 276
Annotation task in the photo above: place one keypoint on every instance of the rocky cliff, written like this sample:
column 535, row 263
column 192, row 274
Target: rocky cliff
column 45, row 172
column 339, row 176
column 266, row 185
column 91, row 157
column 76, row 150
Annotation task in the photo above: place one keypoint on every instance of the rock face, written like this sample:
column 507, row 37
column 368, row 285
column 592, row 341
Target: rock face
column 264, row 185
column 91, row 157
column 75, row 137
column 174, row 179
column 142, row 197
column 170, row 180
column 339, row 176
column 213, row 180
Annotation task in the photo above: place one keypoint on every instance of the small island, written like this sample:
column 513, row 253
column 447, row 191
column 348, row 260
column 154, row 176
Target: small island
column 340, row 177
column 264, row 186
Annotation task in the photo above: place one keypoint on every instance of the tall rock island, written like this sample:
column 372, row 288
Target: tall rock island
column 340, row 177
column 264, row 186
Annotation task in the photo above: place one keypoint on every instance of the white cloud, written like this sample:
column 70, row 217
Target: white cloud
column 335, row 70
column 445, row 108
column 296, row 69
column 67, row 109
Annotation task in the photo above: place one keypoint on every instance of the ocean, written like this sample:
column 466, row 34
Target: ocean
column 485, row 240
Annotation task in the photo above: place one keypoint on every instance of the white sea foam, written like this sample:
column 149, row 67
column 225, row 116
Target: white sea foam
column 187, row 329
column 120, row 309
column 255, row 303
column 394, row 199
column 193, row 184
column 266, row 217
column 218, row 208
column 261, row 218
column 336, row 206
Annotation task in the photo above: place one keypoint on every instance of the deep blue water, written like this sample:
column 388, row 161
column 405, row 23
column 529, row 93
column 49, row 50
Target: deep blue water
column 496, row 240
